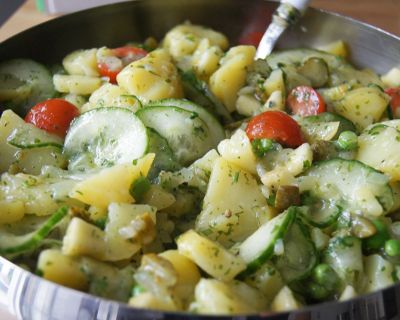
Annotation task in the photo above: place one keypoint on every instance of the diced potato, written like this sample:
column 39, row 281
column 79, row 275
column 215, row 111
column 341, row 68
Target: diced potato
column 122, row 221
column 153, row 77
column 184, row 39
column 188, row 275
column 111, row 184
column 205, row 59
column 76, row 83
column 268, row 280
column 247, row 105
column 233, row 206
column 392, row 78
column 8, row 121
column 275, row 82
column 158, row 197
column 238, row 150
column 379, row 147
column 338, row 48
column 84, row 239
column 231, row 75
column 275, row 101
column 62, row 269
column 86, row 274
column 363, row 106
column 348, row 293
column 11, row 211
column 31, row 161
column 82, row 62
column 37, row 196
column 249, row 295
column 284, row 172
column 106, row 95
column 147, row 300
column 111, row 95
column 216, row 297
column 378, row 272
column 76, row 99
column 285, row 301
column 210, row 256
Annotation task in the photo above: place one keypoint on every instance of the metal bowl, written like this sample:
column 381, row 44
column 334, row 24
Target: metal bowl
column 31, row 297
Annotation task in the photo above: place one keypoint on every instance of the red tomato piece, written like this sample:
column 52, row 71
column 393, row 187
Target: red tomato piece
column 275, row 125
column 53, row 115
column 252, row 38
column 134, row 53
column 126, row 55
column 106, row 71
column 394, row 94
column 305, row 101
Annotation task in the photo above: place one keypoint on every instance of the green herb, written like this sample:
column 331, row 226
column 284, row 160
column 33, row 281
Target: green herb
column 139, row 187
column 262, row 146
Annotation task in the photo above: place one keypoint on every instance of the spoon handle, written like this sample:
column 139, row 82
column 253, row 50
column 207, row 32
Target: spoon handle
column 300, row 5
column 287, row 14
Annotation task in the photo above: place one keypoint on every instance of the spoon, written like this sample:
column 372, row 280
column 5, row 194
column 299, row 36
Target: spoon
column 287, row 14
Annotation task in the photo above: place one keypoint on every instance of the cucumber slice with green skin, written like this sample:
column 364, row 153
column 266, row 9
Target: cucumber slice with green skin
column 299, row 256
column 11, row 244
column 316, row 70
column 199, row 92
column 187, row 134
column 299, row 56
column 31, row 74
column 321, row 214
column 344, row 255
column 216, row 130
column 165, row 159
column 27, row 136
column 104, row 137
column 344, row 124
column 357, row 187
column 259, row 247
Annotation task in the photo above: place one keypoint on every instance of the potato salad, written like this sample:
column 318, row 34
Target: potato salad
column 184, row 175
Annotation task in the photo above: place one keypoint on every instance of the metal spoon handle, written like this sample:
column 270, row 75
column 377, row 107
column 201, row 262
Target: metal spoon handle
column 287, row 14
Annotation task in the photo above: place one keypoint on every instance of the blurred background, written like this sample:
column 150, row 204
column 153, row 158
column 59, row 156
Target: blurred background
column 384, row 14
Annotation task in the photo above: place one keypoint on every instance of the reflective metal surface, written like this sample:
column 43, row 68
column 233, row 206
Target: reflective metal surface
column 30, row 297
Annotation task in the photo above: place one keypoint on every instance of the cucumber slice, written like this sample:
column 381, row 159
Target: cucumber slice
column 198, row 91
column 353, row 185
column 299, row 56
column 216, row 130
column 299, row 256
column 165, row 158
column 321, row 214
column 11, row 244
column 344, row 255
column 344, row 124
column 104, row 137
column 21, row 74
column 27, row 136
column 186, row 133
column 316, row 70
column 259, row 247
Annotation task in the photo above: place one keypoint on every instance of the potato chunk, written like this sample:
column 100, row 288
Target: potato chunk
column 153, row 77
column 184, row 39
column 231, row 75
column 111, row 184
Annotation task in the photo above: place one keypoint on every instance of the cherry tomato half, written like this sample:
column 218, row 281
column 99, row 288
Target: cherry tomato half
column 252, row 38
column 53, row 115
column 126, row 54
column 275, row 125
column 305, row 101
column 394, row 94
